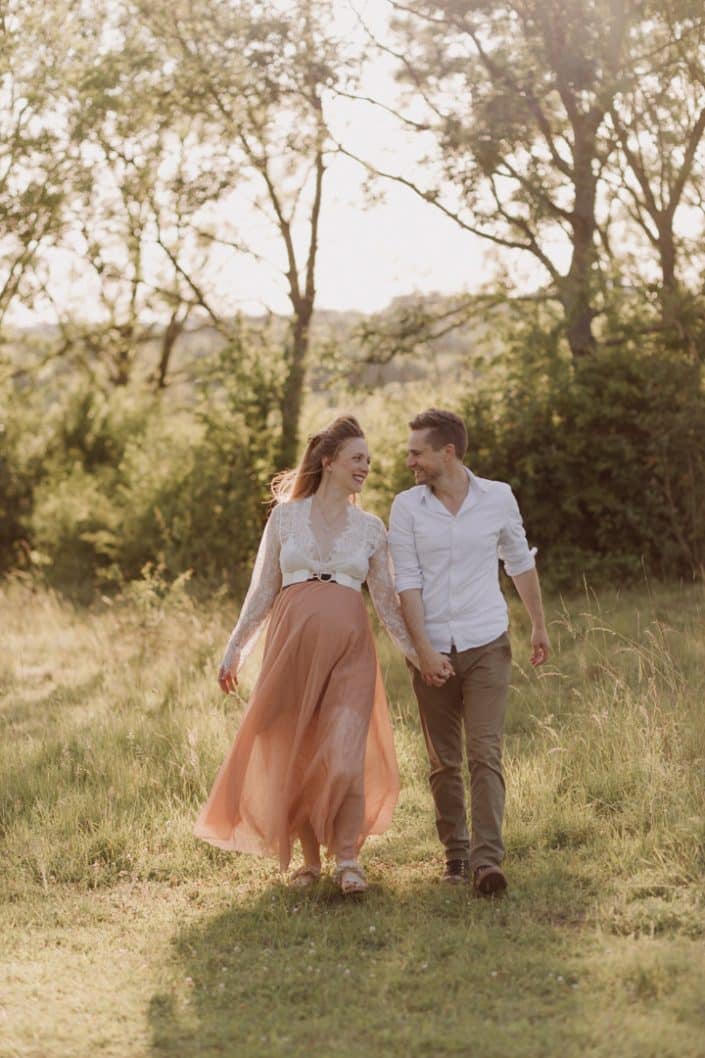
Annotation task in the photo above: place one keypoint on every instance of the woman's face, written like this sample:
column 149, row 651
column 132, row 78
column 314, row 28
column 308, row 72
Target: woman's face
column 351, row 465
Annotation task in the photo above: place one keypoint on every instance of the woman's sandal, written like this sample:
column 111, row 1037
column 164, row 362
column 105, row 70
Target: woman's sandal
column 351, row 877
column 304, row 877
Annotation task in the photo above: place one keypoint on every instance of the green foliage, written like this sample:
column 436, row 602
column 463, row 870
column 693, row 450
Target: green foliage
column 125, row 478
column 223, row 508
column 604, row 456
column 23, row 440
column 15, row 495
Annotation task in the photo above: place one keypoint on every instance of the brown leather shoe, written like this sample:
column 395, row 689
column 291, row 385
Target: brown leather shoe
column 489, row 880
column 456, row 872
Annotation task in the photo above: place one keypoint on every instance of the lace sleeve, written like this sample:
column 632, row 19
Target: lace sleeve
column 265, row 585
column 385, row 599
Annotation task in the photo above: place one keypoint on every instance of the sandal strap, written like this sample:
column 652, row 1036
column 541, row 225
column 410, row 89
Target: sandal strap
column 307, row 871
column 352, row 880
column 354, row 866
column 351, row 877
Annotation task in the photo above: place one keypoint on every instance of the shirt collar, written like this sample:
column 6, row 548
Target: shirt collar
column 476, row 485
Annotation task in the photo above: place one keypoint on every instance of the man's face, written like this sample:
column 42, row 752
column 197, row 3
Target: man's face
column 426, row 462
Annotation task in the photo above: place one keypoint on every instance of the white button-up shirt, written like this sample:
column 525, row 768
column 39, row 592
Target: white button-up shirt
column 453, row 559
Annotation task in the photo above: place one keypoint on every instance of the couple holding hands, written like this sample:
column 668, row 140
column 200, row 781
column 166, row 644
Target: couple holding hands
column 314, row 758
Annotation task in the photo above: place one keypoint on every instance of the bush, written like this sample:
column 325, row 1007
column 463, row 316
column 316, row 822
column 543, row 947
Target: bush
column 606, row 459
column 605, row 456
column 130, row 479
column 23, row 442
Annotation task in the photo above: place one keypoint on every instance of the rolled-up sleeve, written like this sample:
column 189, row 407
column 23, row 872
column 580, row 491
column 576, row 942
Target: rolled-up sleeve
column 513, row 549
column 407, row 569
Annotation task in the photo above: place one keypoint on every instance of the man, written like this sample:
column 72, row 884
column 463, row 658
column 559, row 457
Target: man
column 447, row 535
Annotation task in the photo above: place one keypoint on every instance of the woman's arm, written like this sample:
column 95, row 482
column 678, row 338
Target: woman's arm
column 384, row 597
column 265, row 585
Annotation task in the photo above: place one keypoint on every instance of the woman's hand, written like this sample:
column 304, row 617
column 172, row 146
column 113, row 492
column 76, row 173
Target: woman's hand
column 227, row 673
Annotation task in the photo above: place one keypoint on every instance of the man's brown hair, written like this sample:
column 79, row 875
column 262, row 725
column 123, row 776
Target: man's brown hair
column 445, row 429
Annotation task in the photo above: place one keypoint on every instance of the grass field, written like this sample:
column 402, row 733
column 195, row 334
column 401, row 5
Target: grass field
column 121, row 936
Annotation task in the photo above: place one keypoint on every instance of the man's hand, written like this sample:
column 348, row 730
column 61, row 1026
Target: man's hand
column 435, row 668
column 527, row 584
column 540, row 645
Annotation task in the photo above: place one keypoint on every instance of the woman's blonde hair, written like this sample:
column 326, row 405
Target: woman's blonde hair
column 304, row 479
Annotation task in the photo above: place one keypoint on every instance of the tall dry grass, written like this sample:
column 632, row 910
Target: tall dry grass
column 113, row 728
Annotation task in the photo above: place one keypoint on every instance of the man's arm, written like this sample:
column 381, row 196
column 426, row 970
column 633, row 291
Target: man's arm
column 435, row 668
column 519, row 564
column 529, row 589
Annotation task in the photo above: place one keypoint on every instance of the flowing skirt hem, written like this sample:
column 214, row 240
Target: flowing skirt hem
column 316, row 731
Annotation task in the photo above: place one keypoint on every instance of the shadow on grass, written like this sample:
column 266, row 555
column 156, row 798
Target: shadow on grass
column 413, row 968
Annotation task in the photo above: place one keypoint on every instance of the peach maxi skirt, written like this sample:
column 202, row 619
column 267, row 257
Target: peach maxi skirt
column 315, row 735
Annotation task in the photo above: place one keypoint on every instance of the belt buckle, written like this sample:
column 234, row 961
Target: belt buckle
column 325, row 576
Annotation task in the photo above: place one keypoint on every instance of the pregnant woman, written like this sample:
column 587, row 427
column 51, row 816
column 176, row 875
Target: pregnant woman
column 314, row 756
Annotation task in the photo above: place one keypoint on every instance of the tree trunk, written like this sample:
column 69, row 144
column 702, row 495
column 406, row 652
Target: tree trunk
column 172, row 331
column 668, row 294
column 577, row 287
column 292, row 394
column 302, row 304
column 681, row 329
column 122, row 365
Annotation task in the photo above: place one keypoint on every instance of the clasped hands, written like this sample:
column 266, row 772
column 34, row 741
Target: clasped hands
column 435, row 668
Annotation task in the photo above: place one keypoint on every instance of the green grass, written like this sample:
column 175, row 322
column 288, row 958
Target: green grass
column 122, row 936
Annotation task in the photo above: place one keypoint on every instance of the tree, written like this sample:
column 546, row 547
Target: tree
column 175, row 118
column 32, row 166
column 255, row 76
column 514, row 96
column 659, row 121
column 140, row 179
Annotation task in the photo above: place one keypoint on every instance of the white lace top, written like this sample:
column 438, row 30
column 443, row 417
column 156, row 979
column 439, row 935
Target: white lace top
column 288, row 543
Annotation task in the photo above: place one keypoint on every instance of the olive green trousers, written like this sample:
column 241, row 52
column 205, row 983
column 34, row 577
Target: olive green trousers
column 468, row 710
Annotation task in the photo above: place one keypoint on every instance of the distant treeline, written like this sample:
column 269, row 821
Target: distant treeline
column 140, row 425
column 606, row 457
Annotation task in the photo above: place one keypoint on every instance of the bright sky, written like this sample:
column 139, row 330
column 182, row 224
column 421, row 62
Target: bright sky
column 371, row 253
column 368, row 253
